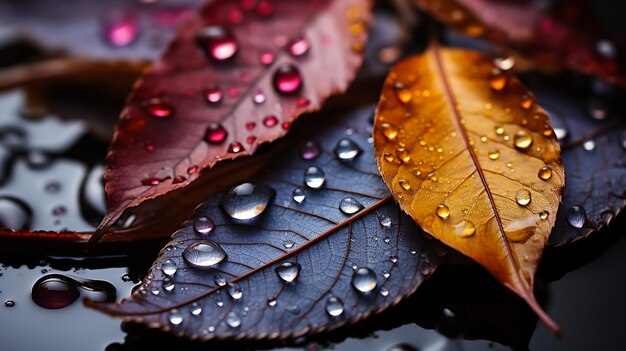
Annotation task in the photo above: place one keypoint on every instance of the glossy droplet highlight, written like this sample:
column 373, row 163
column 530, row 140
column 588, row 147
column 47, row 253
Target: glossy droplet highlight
column 404, row 184
column 54, row 292
column 545, row 173
column 258, row 97
column 364, row 279
column 219, row 280
column 522, row 140
column 169, row 267
column 215, row 134
column 288, row 271
column 465, row 229
column 576, row 216
column 175, row 318
column 314, row 177
column 298, row 46
column 213, row 95
column 270, row 121
column 203, row 254
column 385, row 221
column 287, row 79
column 443, row 211
column 347, row 149
column 494, row 154
column 121, row 30
column 522, row 197
column 350, row 206
column 543, row 215
column 234, row 291
column 589, row 145
column 203, row 225
column 334, row 306
column 217, row 43
column 498, row 81
column 310, row 150
column 247, row 201
column 158, row 109
column 298, row 195
column 233, row 320
column 403, row 154
column 235, row 148
column 390, row 132
column 288, row 244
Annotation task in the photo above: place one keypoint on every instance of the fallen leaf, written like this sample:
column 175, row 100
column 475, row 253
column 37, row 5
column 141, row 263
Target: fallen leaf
column 468, row 153
column 261, row 68
column 562, row 34
column 322, row 219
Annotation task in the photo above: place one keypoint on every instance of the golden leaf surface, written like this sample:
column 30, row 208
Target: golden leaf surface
column 468, row 153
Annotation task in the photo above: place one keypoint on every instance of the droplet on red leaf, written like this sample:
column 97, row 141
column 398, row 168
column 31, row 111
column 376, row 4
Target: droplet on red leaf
column 215, row 134
column 287, row 79
column 157, row 108
column 217, row 43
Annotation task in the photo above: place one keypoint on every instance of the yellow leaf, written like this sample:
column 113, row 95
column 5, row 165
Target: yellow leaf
column 467, row 152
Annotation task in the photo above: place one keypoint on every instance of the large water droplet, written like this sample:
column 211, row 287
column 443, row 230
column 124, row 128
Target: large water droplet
column 334, row 306
column 314, row 177
column 298, row 46
column 217, row 43
column 443, row 211
column 298, row 195
column 350, row 206
column 310, row 150
column 203, row 254
column 390, row 132
column 545, row 173
column 287, row 79
column 247, row 201
column 384, row 221
column 288, row 244
column 203, row 225
column 347, row 149
column 54, row 291
column 219, row 280
column 522, row 140
column 234, row 291
column 522, row 197
column 175, row 318
column 215, row 134
column 233, row 320
column 576, row 216
column 169, row 267
column 364, row 279
column 288, row 271
column 195, row 309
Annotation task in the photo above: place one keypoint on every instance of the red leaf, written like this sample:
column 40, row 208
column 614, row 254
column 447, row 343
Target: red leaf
column 258, row 69
column 564, row 34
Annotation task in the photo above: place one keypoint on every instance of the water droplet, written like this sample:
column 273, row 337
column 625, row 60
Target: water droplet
column 298, row 46
column 561, row 133
column 597, row 108
column 266, row 57
column 403, row 154
column 310, row 150
column 219, row 280
column 498, row 81
column 203, row 254
column 175, row 318
column 522, row 197
column 350, row 206
column 217, row 43
column 9, row 303
column 169, row 267
column 215, row 134
column 288, row 271
column 522, row 140
column 157, row 108
column 298, row 195
column 251, row 139
column 405, row 184
column 364, row 279
column 384, row 292
column 14, row 214
column 347, row 149
column 203, row 225
column 258, row 97
column 271, row 302
column 589, row 145
column 287, row 79
column 499, row 129
column 195, row 309
column 393, row 259
column 384, row 221
column 443, row 211
column 288, row 244
column 390, row 132
column 576, row 216
column 235, row 147
column 59, row 211
column 465, row 229
column 234, row 291
column 250, row 126
column 314, row 177
column 121, row 30
column 494, row 154
column 504, row 63
column 53, row 292
column 168, row 284
column 545, row 173
column 527, row 102
column 270, row 121
column 543, row 215
column 247, row 201
column 213, row 95
column 334, row 306
column 403, row 94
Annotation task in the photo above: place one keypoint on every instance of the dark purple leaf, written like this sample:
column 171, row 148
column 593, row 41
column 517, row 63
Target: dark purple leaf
column 328, row 244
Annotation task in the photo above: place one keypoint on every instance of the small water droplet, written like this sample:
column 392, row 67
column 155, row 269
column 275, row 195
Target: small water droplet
column 59, row 210
column 203, row 254
column 393, row 259
column 347, row 150
column 522, row 140
column 298, row 195
column 314, row 177
column 217, row 43
column 527, row 102
column 465, row 229
column 288, row 244
column 169, row 267
column 288, row 271
column 543, row 215
column 234, row 291
column 443, row 211
column 219, row 280
column 258, row 97
column 195, row 309
column 390, row 132
column 266, row 57
column 403, row 94
column 158, row 109
column 168, row 284
column 121, row 29
column 384, row 292
column 404, row 184
column 271, row 302
column 499, row 129
column 522, row 197
column 384, row 221
column 598, row 109
column 310, row 150
column 270, row 121
column 213, row 94
column 403, row 154
column 498, row 81
column 350, row 206
column 235, row 147
column 589, row 145
column 175, row 318
column 9, row 303
column 55, row 291
column 364, row 279
column 334, row 306
column 494, row 154
column 287, row 79
column 203, row 225
column 215, row 134
column 247, row 201
column 545, row 173
column 576, row 216
column 504, row 63
column 298, row 46
column 561, row 133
